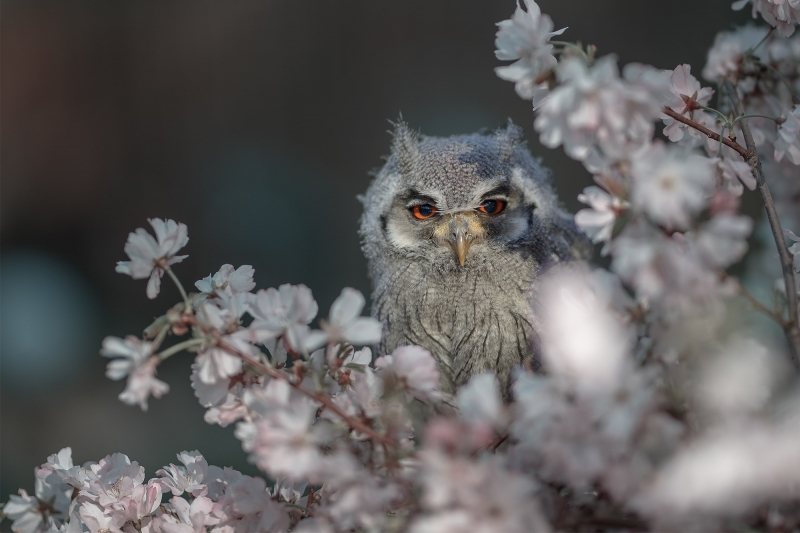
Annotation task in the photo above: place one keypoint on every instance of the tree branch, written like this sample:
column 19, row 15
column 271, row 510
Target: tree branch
column 324, row 400
column 792, row 327
column 711, row 134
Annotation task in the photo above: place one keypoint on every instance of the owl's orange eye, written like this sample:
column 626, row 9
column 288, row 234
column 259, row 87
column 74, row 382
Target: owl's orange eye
column 423, row 211
column 492, row 207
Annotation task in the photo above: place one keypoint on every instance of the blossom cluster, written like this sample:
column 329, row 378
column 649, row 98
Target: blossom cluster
column 659, row 406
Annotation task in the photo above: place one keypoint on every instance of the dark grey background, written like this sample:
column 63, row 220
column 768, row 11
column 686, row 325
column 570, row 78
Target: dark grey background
column 255, row 123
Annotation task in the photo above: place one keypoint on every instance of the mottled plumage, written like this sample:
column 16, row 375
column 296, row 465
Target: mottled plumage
column 459, row 281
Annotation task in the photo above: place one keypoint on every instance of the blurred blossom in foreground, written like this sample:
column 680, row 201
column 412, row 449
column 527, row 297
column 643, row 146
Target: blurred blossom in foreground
column 729, row 471
column 584, row 341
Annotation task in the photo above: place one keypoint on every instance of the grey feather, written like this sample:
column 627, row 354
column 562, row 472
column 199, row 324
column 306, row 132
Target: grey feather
column 477, row 316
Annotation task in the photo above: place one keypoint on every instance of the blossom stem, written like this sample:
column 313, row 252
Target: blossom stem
column 792, row 326
column 186, row 302
column 747, row 295
column 162, row 333
column 756, row 46
column 172, row 350
column 725, row 119
column 326, row 402
column 711, row 134
column 753, row 115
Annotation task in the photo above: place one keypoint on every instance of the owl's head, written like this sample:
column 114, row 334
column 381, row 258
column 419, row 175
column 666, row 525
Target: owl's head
column 458, row 202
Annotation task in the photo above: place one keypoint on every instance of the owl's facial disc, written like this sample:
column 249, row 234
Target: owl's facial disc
column 459, row 231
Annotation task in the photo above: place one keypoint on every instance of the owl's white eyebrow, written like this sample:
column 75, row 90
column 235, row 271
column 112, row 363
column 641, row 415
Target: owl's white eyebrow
column 500, row 190
column 414, row 197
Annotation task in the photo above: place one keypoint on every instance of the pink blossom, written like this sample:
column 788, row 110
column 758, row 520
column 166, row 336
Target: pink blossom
column 150, row 257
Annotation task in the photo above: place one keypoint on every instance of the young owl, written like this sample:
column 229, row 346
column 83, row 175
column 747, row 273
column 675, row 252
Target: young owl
column 456, row 231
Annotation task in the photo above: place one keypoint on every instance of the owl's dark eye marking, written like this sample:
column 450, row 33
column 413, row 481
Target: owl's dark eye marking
column 492, row 207
column 423, row 211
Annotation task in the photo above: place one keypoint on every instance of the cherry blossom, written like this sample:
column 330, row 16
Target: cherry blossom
column 344, row 323
column 599, row 219
column 525, row 39
column 787, row 142
column 214, row 362
column 137, row 363
column 688, row 99
column 415, row 368
column 285, row 312
column 283, row 441
column 593, row 112
column 726, row 56
column 783, row 15
column 150, row 257
column 584, row 342
column 670, row 185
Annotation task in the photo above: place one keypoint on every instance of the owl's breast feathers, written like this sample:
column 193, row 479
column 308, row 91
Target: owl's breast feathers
column 472, row 320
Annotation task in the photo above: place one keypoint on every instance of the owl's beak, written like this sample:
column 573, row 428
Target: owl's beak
column 462, row 231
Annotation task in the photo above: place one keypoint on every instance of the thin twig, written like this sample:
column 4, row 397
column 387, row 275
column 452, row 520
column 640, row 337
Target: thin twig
column 327, row 403
column 747, row 295
column 792, row 327
column 711, row 134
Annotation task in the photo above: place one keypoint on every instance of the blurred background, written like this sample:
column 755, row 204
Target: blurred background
column 256, row 124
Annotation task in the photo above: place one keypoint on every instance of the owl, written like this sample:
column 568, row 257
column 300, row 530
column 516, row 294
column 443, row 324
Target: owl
column 456, row 230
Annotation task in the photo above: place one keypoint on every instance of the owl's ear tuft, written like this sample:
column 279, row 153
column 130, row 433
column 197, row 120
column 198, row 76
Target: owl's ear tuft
column 405, row 144
column 507, row 140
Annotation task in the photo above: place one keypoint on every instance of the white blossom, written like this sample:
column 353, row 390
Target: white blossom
column 725, row 57
column 728, row 471
column 215, row 361
column 670, row 185
column 687, row 97
column 416, row 369
column 592, row 112
column 599, row 219
column 150, row 257
column 794, row 248
column 783, row 15
column 479, row 401
column 787, row 142
column 136, row 361
column 734, row 173
column 283, row 441
column 583, row 342
column 187, row 478
column 344, row 323
column 285, row 312
column 480, row 496
column 525, row 39
column 228, row 278
column 723, row 239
